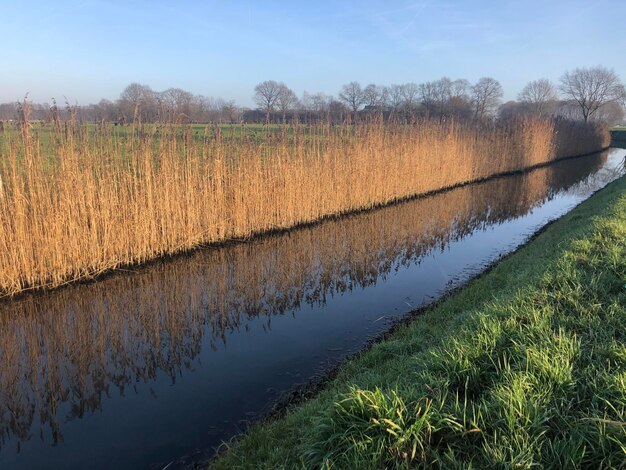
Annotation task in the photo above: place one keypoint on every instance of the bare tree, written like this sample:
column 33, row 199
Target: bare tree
column 266, row 96
column 452, row 97
column 176, row 104
column 460, row 88
column 285, row 100
column 208, row 109
column 435, row 95
column 428, row 96
column 486, row 96
column 353, row 96
column 105, row 110
column 319, row 103
column 337, row 110
column 315, row 105
column 459, row 102
column 395, row 97
column 409, row 93
column 592, row 88
column 610, row 113
column 306, row 105
column 230, row 111
column 445, row 97
column 384, row 97
column 511, row 110
column 443, row 93
column 376, row 97
column 537, row 95
column 371, row 95
column 138, row 102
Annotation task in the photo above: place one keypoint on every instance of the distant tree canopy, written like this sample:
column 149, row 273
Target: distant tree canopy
column 352, row 95
column 286, row 100
column 139, row 103
column 446, row 98
column 585, row 94
column 486, row 97
column 266, row 96
column 537, row 95
column 592, row 88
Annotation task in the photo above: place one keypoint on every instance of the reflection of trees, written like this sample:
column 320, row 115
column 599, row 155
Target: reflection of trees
column 618, row 139
column 69, row 347
column 606, row 174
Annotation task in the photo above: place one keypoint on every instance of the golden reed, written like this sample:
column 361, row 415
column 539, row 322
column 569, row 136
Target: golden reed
column 76, row 202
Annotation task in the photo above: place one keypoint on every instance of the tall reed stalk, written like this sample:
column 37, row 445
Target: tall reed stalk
column 78, row 202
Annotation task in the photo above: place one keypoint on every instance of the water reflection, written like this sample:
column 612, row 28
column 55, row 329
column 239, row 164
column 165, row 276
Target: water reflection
column 64, row 353
column 618, row 139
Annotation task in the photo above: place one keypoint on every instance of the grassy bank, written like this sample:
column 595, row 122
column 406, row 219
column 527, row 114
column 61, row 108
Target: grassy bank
column 524, row 367
column 75, row 203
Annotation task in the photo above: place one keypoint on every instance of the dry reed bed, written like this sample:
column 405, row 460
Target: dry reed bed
column 78, row 204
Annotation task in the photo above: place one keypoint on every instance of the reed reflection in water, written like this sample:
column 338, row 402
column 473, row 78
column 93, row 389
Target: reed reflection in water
column 64, row 353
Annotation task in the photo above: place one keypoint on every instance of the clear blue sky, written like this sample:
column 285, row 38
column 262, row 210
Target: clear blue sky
column 91, row 49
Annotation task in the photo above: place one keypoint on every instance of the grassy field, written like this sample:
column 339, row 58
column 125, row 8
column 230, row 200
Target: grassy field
column 44, row 131
column 79, row 200
column 525, row 367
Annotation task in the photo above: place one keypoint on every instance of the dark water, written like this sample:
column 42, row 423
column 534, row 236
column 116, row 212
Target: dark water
column 618, row 139
column 142, row 368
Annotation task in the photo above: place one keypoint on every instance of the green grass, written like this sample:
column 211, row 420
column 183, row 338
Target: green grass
column 197, row 129
column 92, row 133
column 525, row 367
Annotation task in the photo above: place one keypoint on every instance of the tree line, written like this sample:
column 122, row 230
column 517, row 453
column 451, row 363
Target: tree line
column 595, row 93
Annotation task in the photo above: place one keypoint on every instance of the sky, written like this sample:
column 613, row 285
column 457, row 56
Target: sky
column 87, row 50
